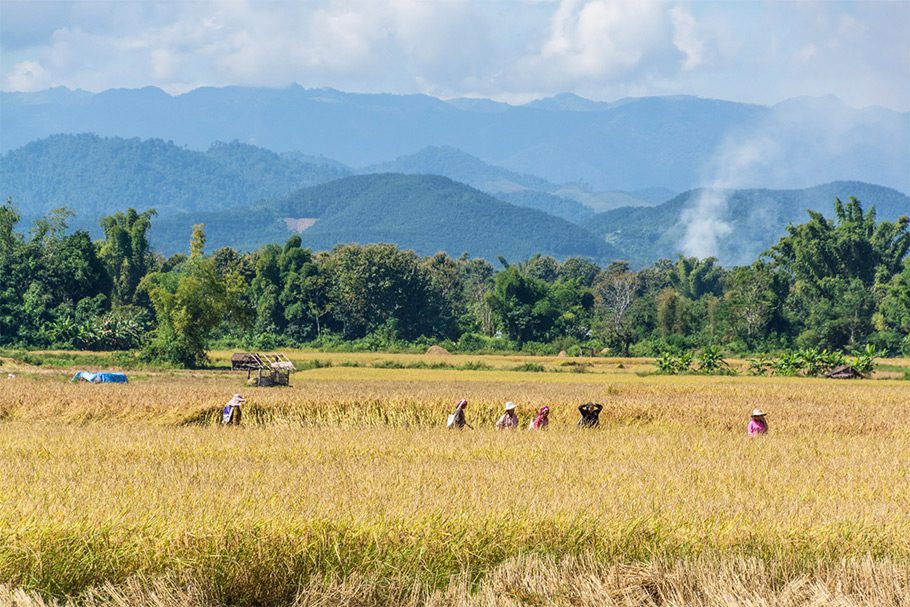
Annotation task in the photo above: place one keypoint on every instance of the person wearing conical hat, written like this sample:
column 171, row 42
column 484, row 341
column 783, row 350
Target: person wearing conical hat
column 509, row 419
column 758, row 424
column 230, row 415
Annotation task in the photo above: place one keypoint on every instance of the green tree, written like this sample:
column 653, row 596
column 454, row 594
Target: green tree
column 197, row 241
column 836, row 270
column 695, row 278
column 893, row 316
column 126, row 253
column 522, row 306
column 189, row 305
column 380, row 286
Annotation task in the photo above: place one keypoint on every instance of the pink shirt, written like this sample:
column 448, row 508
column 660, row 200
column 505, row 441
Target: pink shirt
column 756, row 427
column 508, row 421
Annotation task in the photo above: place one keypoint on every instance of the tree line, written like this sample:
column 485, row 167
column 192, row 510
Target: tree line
column 836, row 283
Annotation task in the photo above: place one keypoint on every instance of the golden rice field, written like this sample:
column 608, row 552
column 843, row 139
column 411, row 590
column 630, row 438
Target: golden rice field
column 346, row 489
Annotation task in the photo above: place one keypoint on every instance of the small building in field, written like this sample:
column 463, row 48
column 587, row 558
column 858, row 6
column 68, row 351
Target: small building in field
column 271, row 368
column 844, row 372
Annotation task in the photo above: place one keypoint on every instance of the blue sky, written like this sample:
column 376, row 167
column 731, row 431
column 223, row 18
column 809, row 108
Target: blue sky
column 513, row 51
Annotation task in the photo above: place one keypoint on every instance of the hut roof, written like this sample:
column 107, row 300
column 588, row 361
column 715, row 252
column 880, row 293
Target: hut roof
column 844, row 372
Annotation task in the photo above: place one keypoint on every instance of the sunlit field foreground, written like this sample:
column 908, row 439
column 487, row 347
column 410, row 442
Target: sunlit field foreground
column 347, row 489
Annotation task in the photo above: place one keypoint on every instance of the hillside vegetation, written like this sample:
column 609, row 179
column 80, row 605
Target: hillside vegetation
column 755, row 218
column 94, row 175
column 422, row 212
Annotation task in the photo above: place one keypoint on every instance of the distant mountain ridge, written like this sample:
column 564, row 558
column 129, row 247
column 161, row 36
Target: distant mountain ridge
column 669, row 142
column 573, row 202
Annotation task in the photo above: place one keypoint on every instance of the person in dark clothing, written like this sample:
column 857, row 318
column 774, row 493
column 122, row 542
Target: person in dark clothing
column 457, row 419
column 590, row 415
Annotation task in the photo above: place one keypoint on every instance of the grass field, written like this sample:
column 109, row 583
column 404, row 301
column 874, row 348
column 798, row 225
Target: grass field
column 347, row 489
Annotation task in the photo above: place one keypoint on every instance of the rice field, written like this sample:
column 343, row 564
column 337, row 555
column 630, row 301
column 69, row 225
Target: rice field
column 346, row 489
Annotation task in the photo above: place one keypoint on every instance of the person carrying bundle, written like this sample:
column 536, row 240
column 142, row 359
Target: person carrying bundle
column 590, row 415
column 509, row 420
column 541, row 420
column 230, row 415
column 457, row 419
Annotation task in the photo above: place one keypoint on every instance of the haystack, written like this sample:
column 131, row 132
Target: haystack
column 563, row 354
column 437, row 351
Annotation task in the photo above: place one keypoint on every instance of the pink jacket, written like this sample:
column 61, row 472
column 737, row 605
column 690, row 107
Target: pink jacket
column 756, row 427
column 541, row 421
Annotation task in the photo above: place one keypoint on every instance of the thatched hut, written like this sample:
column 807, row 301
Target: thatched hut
column 844, row 372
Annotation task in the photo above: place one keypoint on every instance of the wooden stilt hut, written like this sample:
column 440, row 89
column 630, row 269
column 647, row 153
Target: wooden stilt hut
column 271, row 368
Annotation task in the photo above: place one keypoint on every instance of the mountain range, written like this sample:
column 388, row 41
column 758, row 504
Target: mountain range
column 437, row 197
column 678, row 143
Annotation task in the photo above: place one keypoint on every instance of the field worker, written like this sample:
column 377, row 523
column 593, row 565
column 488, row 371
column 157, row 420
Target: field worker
column 230, row 415
column 509, row 420
column 457, row 419
column 542, row 420
column 758, row 424
column 590, row 415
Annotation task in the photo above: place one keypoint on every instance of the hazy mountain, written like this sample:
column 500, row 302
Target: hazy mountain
column 670, row 142
column 94, row 175
column 426, row 213
column 460, row 166
column 743, row 222
column 569, row 201
column 567, row 208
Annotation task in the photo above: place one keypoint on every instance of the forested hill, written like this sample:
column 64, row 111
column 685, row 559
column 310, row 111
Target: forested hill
column 426, row 213
column 754, row 219
column 574, row 202
column 94, row 175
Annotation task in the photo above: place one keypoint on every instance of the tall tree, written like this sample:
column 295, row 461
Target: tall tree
column 189, row 304
column 126, row 253
column 197, row 241
column 522, row 306
column 616, row 292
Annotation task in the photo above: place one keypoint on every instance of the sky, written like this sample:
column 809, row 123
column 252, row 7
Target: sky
column 512, row 51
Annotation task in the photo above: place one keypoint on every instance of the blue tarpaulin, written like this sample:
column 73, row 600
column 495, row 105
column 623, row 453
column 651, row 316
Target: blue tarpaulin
column 101, row 378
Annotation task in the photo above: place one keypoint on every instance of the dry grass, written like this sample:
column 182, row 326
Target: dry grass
column 346, row 490
column 569, row 582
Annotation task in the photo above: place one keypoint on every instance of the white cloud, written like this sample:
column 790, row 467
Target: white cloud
column 688, row 39
column 506, row 50
column 603, row 39
column 26, row 76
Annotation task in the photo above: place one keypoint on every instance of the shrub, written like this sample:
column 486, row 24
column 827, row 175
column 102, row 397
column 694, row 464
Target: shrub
column 712, row 360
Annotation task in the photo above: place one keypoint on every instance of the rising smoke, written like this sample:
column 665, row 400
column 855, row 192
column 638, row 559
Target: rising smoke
column 799, row 143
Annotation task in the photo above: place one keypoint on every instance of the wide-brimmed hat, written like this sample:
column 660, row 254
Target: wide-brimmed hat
column 510, row 406
column 758, row 413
